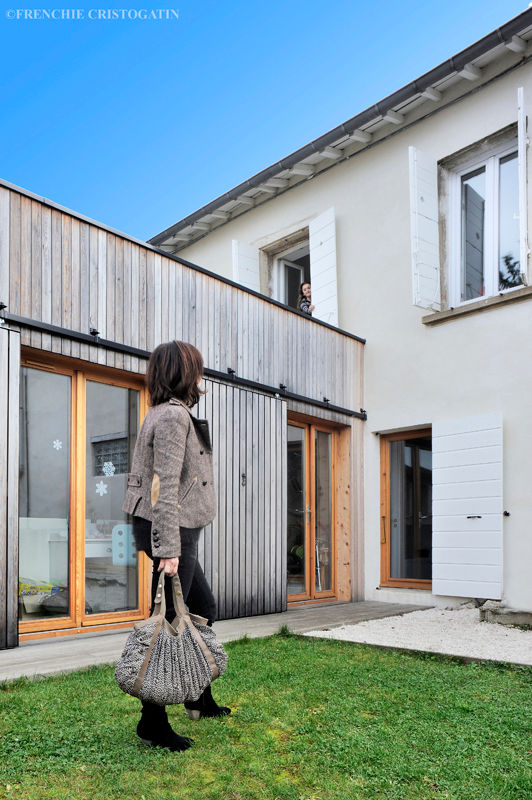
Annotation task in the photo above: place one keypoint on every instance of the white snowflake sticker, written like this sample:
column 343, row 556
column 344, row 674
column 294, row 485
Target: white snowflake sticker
column 101, row 488
column 58, row 444
column 108, row 468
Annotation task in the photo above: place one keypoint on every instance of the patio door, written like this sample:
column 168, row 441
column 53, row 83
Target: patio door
column 311, row 544
column 406, row 509
column 78, row 565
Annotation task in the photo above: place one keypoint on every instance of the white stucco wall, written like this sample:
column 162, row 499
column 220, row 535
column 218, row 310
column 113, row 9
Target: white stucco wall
column 415, row 374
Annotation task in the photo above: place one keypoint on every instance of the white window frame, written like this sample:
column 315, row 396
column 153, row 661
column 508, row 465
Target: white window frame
column 279, row 274
column 491, row 227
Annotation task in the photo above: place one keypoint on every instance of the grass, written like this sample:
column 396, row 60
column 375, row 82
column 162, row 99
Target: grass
column 313, row 719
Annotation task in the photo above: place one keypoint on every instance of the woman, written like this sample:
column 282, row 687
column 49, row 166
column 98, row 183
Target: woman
column 171, row 497
column 304, row 303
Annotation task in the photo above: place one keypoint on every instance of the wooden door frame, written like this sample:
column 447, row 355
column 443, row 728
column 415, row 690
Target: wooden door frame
column 385, row 511
column 77, row 621
column 310, row 425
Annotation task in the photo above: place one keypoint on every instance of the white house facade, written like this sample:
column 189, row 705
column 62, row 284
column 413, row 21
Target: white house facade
column 412, row 221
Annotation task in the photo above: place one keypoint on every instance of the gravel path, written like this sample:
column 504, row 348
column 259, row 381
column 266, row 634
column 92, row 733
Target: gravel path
column 456, row 632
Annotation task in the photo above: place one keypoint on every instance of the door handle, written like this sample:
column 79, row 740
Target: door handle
column 309, row 512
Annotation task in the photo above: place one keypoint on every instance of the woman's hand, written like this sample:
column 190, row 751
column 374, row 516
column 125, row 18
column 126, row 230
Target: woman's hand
column 169, row 565
column 311, row 308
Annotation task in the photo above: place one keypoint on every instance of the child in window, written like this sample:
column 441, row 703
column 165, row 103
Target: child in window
column 304, row 302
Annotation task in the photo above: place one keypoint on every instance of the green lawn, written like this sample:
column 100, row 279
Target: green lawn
column 312, row 720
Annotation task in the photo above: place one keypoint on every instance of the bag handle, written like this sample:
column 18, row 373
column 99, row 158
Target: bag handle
column 159, row 607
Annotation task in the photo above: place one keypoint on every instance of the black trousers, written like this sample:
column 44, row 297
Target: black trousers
column 197, row 593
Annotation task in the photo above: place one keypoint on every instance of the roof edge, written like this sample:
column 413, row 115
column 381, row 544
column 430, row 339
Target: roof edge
column 455, row 63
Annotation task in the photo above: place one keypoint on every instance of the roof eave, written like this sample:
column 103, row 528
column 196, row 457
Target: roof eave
column 502, row 35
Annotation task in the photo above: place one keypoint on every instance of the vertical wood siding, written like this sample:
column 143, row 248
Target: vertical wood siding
column 59, row 269
column 9, row 468
column 244, row 547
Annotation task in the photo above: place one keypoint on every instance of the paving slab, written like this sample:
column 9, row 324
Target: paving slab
column 40, row 657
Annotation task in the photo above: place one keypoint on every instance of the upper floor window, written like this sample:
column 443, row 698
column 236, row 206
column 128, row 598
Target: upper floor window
column 277, row 266
column 484, row 226
column 468, row 219
column 292, row 269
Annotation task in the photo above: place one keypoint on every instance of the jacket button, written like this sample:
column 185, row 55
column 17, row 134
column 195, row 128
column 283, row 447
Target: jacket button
column 205, row 483
column 154, row 531
column 156, row 544
column 156, row 536
column 201, row 452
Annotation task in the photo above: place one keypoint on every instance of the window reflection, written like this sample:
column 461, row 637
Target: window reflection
column 323, row 541
column 296, row 555
column 44, row 494
column 411, row 509
column 110, row 554
column 509, row 267
column 473, row 206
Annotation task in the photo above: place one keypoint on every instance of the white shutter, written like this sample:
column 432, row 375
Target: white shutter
column 322, row 246
column 246, row 265
column 522, row 148
column 424, row 229
column 467, row 507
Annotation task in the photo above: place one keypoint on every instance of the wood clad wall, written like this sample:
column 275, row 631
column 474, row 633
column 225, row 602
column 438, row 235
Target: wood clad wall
column 244, row 549
column 72, row 273
column 9, row 434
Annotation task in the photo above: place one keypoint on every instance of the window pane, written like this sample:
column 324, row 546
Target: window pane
column 323, row 542
column 296, row 510
column 473, row 215
column 509, row 269
column 110, row 554
column 293, row 282
column 44, row 486
column 411, row 509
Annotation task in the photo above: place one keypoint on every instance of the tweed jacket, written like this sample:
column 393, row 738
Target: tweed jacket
column 171, row 482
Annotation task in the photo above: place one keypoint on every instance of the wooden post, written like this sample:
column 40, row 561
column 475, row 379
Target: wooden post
column 9, row 435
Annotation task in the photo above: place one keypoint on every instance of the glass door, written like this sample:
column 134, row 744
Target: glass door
column 406, row 517
column 298, row 512
column 44, row 496
column 323, row 522
column 78, row 563
column 111, row 574
column 310, row 523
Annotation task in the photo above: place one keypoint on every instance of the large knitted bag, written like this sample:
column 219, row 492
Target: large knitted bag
column 167, row 663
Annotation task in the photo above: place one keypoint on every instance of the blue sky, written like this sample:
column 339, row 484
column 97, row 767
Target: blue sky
column 139, row 123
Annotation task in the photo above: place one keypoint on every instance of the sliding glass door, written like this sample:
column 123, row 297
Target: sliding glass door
column 78, row 564
column 111, row 582
column 44, row 494
column 311, row 511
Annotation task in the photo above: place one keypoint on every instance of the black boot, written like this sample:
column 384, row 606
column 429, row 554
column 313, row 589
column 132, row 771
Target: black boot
column 205, row 706
column 155, row 730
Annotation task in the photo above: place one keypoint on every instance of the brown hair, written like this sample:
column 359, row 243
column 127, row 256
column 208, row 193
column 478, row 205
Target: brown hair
column 173, row 371
column 301, row 296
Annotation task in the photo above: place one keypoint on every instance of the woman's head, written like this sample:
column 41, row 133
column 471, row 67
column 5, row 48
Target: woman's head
column 174, row 370
column 304, row 290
